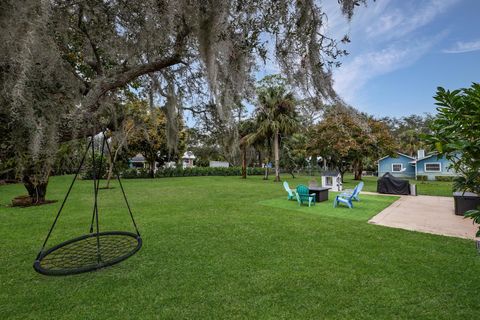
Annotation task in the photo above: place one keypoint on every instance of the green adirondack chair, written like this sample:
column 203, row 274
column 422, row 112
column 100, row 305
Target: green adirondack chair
column 304, row 196
column 291, row 193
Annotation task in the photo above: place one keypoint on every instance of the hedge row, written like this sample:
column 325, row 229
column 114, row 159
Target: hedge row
column 444, row 178
column 191, row 172
column 437, row 178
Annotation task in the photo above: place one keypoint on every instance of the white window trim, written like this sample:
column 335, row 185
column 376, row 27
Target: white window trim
column 396, row 163
column 439, row 167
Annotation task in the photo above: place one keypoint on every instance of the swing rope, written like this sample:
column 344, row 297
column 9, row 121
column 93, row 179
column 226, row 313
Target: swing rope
column 64, row 200
column 94, row 250
column 121, row 187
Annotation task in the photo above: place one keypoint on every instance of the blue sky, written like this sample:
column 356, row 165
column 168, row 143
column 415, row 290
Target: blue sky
column 402, row 50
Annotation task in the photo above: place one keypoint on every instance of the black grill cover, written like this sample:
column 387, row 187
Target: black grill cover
column 392, row 185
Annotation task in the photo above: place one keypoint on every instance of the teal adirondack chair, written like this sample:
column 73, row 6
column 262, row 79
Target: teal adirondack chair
column 291, row 193
column 355, row 192
column 303, row 195
column 346, row 199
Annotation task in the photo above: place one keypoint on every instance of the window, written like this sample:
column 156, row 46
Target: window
column 433, row 167
column 397, row 167
column 328, row 181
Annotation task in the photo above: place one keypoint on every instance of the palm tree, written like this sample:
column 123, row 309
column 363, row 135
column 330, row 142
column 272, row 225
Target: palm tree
column 275, row 116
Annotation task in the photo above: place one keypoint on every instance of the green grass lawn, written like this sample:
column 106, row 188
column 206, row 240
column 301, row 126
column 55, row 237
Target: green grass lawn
column 226, row 248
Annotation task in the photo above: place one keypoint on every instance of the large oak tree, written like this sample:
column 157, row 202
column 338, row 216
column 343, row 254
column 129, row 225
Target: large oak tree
column 62, row 60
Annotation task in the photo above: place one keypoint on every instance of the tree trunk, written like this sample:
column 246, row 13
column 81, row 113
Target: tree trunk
column 265, row 177
column 313, row 162
column 277, row 157
column 358, row 170
column 342, row 169
column 244, row 162
column 152, row 169
column 111, row 163
column 110, row 172
column 36, row 192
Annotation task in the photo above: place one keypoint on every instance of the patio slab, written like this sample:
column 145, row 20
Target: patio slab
column 427, row 214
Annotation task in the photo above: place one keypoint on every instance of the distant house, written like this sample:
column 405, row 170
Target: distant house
column 138, row 162
column 219, row 164
column 187, row 159
column 405, row 166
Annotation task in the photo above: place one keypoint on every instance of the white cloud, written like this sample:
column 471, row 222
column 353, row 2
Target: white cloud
column 337, row 25
column 355, row 74
column 385, row 39
column 461, row 47
column 402, row 21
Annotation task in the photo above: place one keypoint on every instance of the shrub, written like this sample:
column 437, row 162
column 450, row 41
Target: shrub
column 422, row 178
column 205, row 171
column 87, row 171
column 444, row 178
column 455, row 132
column 132, row 173
column 129, row 173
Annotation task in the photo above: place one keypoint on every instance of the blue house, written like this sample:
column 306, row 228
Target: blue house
column 402, row 166
column 405, row 166
column 433, row 166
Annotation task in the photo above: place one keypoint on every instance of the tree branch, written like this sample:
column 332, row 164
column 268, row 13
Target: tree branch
column 97, row 66
column 105, row 84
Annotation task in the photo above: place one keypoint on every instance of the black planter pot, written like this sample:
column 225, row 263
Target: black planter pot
column 465, row 201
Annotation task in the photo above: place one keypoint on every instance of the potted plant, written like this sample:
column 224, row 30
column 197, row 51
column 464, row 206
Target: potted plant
column 454, row 133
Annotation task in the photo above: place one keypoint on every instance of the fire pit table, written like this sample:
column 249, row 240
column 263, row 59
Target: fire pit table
column 321, row 193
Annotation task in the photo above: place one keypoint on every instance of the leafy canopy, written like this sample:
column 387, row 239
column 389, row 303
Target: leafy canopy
column 456, row 134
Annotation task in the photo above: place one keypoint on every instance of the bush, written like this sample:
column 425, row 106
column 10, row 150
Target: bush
column 133, row 173
column 205, row 171
column 422, row 178
column 129, row 173
column 444, row 178
column 87, row 170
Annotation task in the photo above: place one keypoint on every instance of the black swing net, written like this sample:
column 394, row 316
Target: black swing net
column 95, row 249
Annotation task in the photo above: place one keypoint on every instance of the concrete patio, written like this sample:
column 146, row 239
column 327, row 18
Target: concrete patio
column 426, row 214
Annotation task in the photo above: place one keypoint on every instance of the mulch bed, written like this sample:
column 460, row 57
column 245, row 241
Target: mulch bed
column 26, row 201
column 8, row 181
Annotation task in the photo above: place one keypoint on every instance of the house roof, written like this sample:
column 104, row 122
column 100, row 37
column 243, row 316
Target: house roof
column 429, row 156
column 138, row 158
column 188, row 155
column 399, row 153
column 330, row 173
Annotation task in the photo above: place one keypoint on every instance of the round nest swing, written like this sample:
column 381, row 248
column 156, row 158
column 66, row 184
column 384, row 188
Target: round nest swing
column 94, row 250
column 83, row 254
